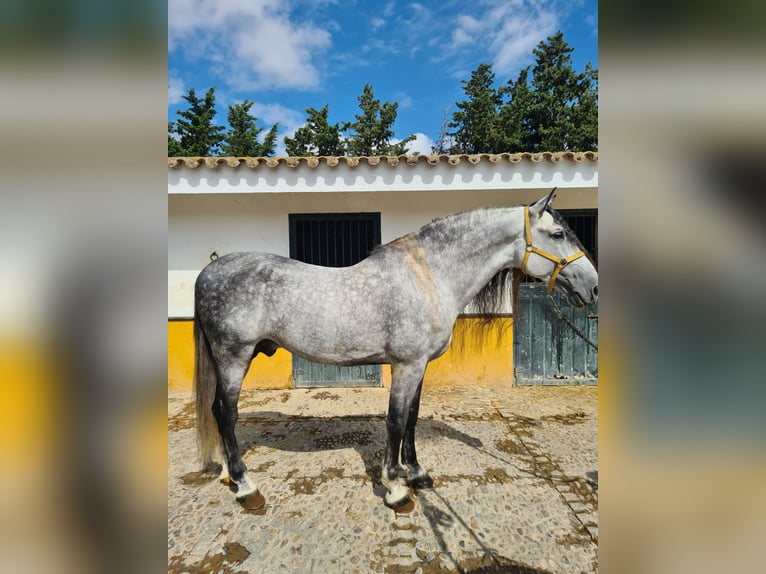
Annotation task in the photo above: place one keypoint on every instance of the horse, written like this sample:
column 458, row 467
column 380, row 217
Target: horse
column 397, row 306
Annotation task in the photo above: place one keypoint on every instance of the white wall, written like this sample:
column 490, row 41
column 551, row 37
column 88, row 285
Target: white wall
column 201, row 223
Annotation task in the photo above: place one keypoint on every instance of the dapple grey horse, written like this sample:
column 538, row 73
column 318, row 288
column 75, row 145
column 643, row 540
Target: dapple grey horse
column 398, row 306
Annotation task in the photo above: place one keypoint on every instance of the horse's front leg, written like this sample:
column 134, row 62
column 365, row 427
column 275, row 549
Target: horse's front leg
column 406, row 379
column 417, row 477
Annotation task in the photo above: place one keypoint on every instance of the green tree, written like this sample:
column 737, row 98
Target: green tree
column 556, row 111
column 242, row 138
column 476, row 122
column 174, row 146
column 514, row 118
column 197, row 133
column 316, row 137
column 372, row 132
column 560, row 119
column 585, row 112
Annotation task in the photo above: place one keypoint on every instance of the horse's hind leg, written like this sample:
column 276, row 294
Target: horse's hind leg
column 226, row 414
column 405, row 386
column 417, row 477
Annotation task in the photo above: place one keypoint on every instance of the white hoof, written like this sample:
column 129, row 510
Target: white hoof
column 245, row 486
column 398, row 494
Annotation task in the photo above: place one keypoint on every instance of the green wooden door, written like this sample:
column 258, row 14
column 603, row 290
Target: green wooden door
column 553, row 343
column 333, row 240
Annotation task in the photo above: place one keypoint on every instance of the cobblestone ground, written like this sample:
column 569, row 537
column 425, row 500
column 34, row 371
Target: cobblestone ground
column 515, row 485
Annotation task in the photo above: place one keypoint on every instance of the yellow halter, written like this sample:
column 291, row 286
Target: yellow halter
column 560, row 262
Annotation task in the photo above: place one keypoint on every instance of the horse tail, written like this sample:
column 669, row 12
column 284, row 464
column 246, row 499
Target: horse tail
column 205, row 381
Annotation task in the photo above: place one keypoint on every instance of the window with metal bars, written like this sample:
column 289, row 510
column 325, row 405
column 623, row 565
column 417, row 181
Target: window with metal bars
column 333, row 239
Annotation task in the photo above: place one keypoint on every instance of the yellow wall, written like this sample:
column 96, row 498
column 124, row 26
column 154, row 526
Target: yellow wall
column 265, row 372
column 468, row 362
column 464, row 362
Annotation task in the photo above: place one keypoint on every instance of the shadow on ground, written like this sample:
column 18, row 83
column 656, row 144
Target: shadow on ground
column 364, row 433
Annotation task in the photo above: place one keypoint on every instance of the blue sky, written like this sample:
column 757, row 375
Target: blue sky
column 287, row 55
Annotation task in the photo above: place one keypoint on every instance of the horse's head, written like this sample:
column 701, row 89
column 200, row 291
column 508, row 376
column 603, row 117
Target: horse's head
column 554, row 254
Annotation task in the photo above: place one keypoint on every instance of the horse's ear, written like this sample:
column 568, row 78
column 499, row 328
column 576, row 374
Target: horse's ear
column 541, row 204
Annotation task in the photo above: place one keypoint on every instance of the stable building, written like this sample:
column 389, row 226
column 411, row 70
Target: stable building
column 334, row 210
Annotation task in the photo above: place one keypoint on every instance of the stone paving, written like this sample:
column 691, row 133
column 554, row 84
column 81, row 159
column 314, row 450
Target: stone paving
column 515, row 485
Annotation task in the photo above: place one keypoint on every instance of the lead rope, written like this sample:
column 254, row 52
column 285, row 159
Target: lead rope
column 571, row 325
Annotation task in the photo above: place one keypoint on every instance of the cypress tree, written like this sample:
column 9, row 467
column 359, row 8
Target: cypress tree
column 242, row 137
column 198, row 135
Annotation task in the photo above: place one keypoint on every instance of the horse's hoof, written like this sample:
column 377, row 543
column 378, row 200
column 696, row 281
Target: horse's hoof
column 252, row 501
column 405, row 508
column 399, row 505
column 424, row 481
column 396, row 502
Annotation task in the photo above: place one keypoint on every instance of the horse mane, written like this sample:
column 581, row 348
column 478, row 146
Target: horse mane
column 488, row 323
column 432, row 230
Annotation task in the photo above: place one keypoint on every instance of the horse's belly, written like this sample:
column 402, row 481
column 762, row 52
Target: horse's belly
column 333, row 350
column 340, row 356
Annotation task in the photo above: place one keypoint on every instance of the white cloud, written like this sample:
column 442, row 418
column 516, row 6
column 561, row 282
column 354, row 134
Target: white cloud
column 421, row 144
column 468, row 25
column 379, row 46
column 404, row 100
column 255, row 44
column 175, row 90
column 592, row 21
column 377, row 23
column 501, row 31
column 517, row 37
column 460, row 37
column 289, row 120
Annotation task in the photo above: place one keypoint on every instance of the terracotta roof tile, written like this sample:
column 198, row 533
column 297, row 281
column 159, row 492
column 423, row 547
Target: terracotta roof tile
column 353, row 161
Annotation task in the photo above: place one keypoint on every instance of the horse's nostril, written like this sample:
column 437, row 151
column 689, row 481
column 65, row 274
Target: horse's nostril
column 595, row 290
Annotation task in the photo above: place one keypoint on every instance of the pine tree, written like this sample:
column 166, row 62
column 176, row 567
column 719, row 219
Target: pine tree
column 269, row 144
column 558, row 111
column 316, row 137
column 242, row 138
column 372, row 131
column 198, row 135
column 585, row 112
column 560, row 120
column 174, row 146
column 515, row 121
column 476, row 123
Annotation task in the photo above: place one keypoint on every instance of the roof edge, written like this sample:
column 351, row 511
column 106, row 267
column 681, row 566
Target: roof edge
column 391, row 160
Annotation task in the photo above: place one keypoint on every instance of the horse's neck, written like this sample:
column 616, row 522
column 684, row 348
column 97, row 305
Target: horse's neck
column 473, row 247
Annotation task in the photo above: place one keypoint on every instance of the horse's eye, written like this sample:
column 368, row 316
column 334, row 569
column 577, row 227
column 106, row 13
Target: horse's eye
column 558, row 234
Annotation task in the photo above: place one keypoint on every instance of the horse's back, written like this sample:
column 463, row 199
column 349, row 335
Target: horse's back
column 236, row 271
column 230, row 288
column 272, row 291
